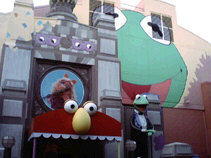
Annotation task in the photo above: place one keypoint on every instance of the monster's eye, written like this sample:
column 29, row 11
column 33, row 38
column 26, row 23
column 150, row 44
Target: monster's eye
column 138, row 96
column 153, row 26
column 41, row 39
column 89, row 46
column 91, row 108
column 120, row 20
column 54, row 41
column 77, row 44
column 70, row 106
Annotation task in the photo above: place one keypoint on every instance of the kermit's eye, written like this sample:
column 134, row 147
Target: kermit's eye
column 91, row 108
column 153, row 26
column 138, row 96
column 120, row 20
column 70, row 106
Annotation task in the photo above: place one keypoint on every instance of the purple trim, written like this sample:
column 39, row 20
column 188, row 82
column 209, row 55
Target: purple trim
column 159, row 142
column 89, row 46
column 41, row 36
column 34, row 148
column 54, row 41
column 77, row 44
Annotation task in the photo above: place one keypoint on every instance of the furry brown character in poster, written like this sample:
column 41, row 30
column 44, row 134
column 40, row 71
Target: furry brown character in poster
column 62, row 90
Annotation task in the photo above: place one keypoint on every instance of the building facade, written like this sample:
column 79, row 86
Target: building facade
column 111, row 58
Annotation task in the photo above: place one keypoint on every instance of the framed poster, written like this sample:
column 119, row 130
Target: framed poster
column 58, row 85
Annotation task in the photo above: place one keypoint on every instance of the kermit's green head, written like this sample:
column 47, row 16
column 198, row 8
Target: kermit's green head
column 140, row 103
column 150, row 62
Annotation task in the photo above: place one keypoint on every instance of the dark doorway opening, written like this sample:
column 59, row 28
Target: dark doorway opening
column 69, row 148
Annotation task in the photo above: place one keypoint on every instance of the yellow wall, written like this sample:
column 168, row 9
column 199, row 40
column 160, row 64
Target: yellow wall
column 81, row 10
column 4, row 18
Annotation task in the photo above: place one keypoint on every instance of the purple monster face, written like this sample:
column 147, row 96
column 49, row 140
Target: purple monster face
column 51, row 41
column 81, row 45
column 55, row 41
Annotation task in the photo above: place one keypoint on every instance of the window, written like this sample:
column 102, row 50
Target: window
column 98, row 7
column 165, row 25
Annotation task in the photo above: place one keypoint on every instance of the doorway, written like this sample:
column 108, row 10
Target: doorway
column 69, row 148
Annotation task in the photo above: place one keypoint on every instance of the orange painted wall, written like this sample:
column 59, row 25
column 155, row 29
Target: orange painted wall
column 187, row 126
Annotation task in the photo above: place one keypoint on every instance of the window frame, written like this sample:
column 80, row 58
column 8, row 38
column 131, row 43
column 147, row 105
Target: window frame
column 103, row 2
column 162, row 26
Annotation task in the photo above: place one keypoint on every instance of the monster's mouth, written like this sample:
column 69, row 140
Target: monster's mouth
column 129, row 90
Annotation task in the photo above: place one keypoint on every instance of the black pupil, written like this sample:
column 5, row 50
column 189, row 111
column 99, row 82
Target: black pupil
column 72, row 106
column 91, row 108
column 53, row 41
column 41, row 39
column 89, row 46
column 78, row 44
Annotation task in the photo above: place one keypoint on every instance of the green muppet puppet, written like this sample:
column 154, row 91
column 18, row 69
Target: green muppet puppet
column 141, row 127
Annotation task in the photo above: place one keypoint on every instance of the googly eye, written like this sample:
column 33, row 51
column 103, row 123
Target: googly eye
column 53, row 40
column 42, row 39
column 89, row 46
column 138, row 96
column 91, row 108
column 77, row 44
column 71, row 106
column 154, row 31
column 120, row 20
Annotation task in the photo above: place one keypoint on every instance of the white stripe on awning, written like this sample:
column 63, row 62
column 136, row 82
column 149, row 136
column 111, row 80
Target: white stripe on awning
column 73, row 136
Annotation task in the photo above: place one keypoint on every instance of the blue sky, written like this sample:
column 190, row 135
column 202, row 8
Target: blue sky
column 193, row 15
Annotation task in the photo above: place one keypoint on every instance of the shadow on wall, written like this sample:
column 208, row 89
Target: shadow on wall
column 202, row 74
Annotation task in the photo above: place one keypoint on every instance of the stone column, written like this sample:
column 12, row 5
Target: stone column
column 15, row 72
column 109, row 79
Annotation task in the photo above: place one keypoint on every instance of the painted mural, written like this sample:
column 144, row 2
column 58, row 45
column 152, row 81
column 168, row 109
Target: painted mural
column 148, row 65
